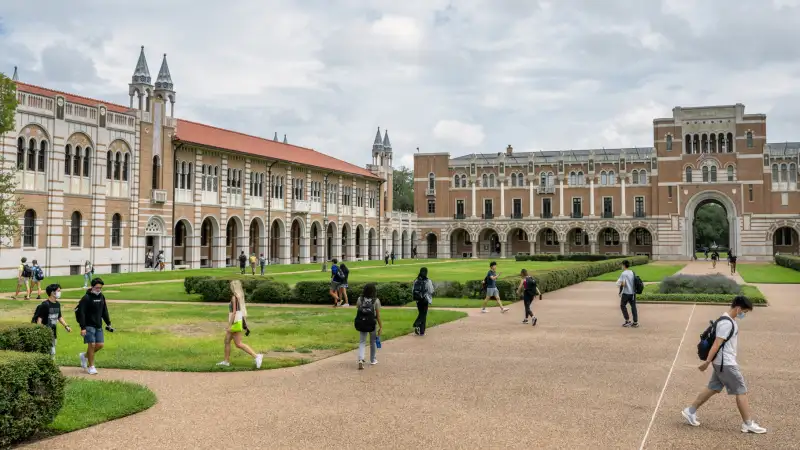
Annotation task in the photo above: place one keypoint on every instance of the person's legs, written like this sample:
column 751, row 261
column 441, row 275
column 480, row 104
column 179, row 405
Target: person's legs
column 744, row 408
column 92, row 351
column 423, row 316
column 85, row 280
column 623, row 305
column 527, row 300
column 228, row 337
column 237, row 339
column 38, row 289
column 485, row 302
column 419, row 316
column 634, row 310
column 702, row 398
column 343, row 296
column 362, row 341
column 499, row 302
column 334, row 295
column 373, row 347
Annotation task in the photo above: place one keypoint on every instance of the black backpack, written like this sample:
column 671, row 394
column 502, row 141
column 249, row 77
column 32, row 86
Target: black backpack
column 26, row 271
column 38, row 273
column 638, row 285
column 418, row 292
column 708, row 337
column 365, row 315
column 36, row 313
column 344, row 272
column 530, row 286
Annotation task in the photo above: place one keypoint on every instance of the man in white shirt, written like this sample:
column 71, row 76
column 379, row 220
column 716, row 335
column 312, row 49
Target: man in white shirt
column 627, row 294
column 726, row 373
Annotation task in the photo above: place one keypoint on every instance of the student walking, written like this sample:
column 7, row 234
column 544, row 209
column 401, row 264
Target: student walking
column 162, row 259
column 237, row 323
column 88, row 271
column 242, row 261
column 344, row 274
column 627, row 295
column 48, row 313
column 422, row 292
column 490, row 282
column 368, row 312
column 253, row 261
column 262, row 261
column 336, row 282
column 90, row 313
column 732, row 262
column 725, row 370
column 37, row 276
column 24, row 274
column 392, row 255
column 386, row 258
column 714, row 259
column 529, row 290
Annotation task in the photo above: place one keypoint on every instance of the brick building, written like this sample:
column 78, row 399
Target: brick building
column 112, row 184
column 616, row 201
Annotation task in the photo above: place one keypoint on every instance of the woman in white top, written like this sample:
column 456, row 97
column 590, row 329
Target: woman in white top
column 237, row 322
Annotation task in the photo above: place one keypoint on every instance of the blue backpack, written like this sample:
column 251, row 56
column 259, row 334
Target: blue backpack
column 38, row 273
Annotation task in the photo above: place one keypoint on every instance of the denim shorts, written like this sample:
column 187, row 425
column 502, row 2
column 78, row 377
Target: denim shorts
column 93, row 336
column 492, row 292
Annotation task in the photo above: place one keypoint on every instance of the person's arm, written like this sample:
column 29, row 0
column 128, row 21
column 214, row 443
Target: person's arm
column 80, row 314
column 106, row 317
column 723, row 328
column 64, row 324
column 235, row 303
column 378, row 316
column 521, row 286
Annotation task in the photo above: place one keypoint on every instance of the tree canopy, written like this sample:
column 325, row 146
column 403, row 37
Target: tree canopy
column 403, row 189
column 711, row 226
column 10, row 207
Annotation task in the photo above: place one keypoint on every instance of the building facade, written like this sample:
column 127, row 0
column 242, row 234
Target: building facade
column 616, row 201
column 114, row 184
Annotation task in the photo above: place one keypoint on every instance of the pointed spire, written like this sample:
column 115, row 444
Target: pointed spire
column 276, row 137
column 377, row 145
column 164, row 80
column 386, row 144
column 142, row 73
column 15, row 77
column 284, row 139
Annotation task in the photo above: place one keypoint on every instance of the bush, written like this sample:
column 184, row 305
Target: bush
column 651, row 294
column 31, row 394
column 699, row 284
column 451, row 289
column 792, row 262
column 26, row 338
column 318, row 292
column 550, row 257
column 270, row 292
column 190, row 283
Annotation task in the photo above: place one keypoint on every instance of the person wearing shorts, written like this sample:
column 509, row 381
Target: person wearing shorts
column 48, row 313
column 336, row 283
column 23, row 281
column 344, row 274
column 491, row 288
column 732, row 262
column 725, row 370
column 91, row 312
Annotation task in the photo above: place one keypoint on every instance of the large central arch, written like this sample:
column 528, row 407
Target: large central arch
column 700, row 199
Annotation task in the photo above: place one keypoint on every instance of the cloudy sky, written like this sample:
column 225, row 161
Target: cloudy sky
column 442, row 75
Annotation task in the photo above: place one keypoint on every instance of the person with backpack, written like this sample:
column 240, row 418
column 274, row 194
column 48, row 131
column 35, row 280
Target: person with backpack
column 386, row 258
column 529, row 290
column 368, row 313
column 90, row 314
column 24, row 274
column 714, row 259
column 490, row 284
column 344, row 274
column 36, row 279
column 88, row 271
column 718, row 347
column 262, row 261
column 253, row 261
column 336, row 282
column 628, row 289
column 732, row 262
column 237, row 323
column 422, row 293
column 242, row 261
column 48, row 313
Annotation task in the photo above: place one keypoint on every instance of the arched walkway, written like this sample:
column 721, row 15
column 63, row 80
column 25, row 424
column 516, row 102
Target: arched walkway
column 257, row 233
column 785, row 241
column 395, row 244
column 317, row 248
column 694, row 203
column 547, row 241
column 609, row 241
column 277, row 238
column 359, row 242
column 346, row 242
column 432, row 243
column 404, row 245
column 297, row 244
column 460, row 244
column 209, row 234
column 373, row 244
column 488, row 244
column 182, row 243
column 233, row 232
column 330, row 242
column 578, row 241
column 413, row 244
column 517, row 242
column 640, row 242
column 154, row 236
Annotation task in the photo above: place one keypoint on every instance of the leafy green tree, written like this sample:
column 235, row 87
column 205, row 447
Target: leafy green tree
column 10, row 207
column 403, row 189
column 711, row 226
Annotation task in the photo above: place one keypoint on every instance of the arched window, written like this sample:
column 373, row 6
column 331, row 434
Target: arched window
column 687, row 144
column 603, row 178
column 21, row 153
column 729, row 142
column 29, row 229
column 75, row 230
column 67, row 159
column 775, row 173
column 109, row 164
column 784, row 173
column 571, row 179
column 688, row 174
column 125, row 163
column 543, row 179
column 117, row 166
column 31, row 155
column 183, row 179
column 721, row 143
column 485, row 180
column 155, row 172
column 642, row 177
column 749, row 139
column 635, row 177
column 76, row 162
column 491, row 180
column 455, row 181
column 713, row 174
column 463, row 181
column 513, row 179
column 521, row 179
column 705, row 174
column 116, row 230
column 549, row 178
column 239, row 179
column 612, row 178
column 42, row 155
column 792, row 173
column 87, row 155
column 730, row 173
column 669, row 143
column 580, row 178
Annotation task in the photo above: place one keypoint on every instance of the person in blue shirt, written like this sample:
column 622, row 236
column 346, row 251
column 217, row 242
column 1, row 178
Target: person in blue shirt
column 491, row 288
column 336, row 283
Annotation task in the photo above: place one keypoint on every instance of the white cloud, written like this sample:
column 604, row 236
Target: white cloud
column 459, row 133
column 400, row 32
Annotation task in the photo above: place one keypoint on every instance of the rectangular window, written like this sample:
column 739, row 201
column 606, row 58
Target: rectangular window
column 669, row 192
column 784, row 199
column 750, row 191
column 547, row 209
column 431, row 206
column 638, row 207
column 460, row 208
column 576, row 207
column 608, row 207
column 115, row 268
column 487, row 208
column 75, row 270
column 517, row 208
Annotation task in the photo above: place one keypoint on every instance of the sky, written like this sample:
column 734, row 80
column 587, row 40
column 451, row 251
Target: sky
column 457, row 76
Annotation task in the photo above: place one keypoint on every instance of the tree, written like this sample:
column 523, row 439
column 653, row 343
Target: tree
column 711, row 226
column 403, row 189
column 10, row 207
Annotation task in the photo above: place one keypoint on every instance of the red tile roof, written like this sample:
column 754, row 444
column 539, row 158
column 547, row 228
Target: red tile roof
column 37, row 90
column 197, row 133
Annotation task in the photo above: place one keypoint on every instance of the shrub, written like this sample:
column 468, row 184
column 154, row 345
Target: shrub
column 582, row 257
column 451, row 289
column 313, row 292
column 318, row 292
column 26, row 338
column 31, row 394
column 651, row 294
column 269, row 291
column 792, row 262
column 190, row 283
column 699, row 284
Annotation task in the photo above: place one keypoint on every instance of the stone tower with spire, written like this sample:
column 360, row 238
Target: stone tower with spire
column 141, row 84
column 164, row 87
column 15, row 77
column 382, row 167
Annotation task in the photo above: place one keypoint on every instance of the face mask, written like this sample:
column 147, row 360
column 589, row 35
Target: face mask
column 740, row 316
column 96, row 291
column 58, row 294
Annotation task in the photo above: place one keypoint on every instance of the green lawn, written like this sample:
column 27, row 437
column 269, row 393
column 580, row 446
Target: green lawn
column 90, row 402
column 155, row 292
column 648, row 272
column 190, row 337
column 768, row 274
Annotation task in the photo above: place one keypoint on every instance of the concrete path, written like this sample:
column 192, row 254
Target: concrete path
column 704, row 268
column 576, row 380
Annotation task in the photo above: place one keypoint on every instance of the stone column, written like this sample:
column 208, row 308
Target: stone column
column 593, row 246
column 561, row 246
column 503, row 199
column 475, row 249
column 530, row 198
column 622, row 197
column 624, row 246
column 473, row 200
column 502, row 250
column 561, row 200
column 532, row 245
column 591, row 197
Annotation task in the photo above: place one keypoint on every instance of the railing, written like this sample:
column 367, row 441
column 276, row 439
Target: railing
column 546, row 215
column 639, row 214
column 516, row 215
column 301, row 206
column 576, row 215
column 430, row 191
column 608, row 214
column 487, row 216
column 461, row 216
column 547, row 189
column 158, row 196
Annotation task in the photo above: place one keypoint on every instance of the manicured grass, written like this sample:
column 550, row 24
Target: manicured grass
column 462, row 303
column 90, row 402
column 648, row 272
column 173, row 292
column 190, row 337
column 768, row 274
column 651, row 294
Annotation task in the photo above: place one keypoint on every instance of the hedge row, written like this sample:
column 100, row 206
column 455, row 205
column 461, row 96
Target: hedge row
column 551, row 257
column 651, row 294
column 31, row 386
column 269, row 290
column 792, row 262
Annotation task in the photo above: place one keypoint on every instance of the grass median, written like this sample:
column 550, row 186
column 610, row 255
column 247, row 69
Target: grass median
column 190, row 337
column 651, row 294
column 768, row 274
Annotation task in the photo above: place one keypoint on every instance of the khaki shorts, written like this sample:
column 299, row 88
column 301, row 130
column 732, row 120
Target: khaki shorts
column 730, row 378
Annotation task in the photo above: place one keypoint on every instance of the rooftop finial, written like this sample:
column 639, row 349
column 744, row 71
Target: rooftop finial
column 141, row 74
column 377, row 144
column 284, row 139
column 387, row 146
column 164, row 80
column 15, row 77
column 276, row 137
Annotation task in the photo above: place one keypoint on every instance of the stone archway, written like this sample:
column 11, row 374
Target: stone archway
column 359, row 241
column 609, row 241
column 404, row 245
column 578, row 241
column 460, row 244
column 785, row 241
column 182, row 248
column 297, row 244
column 347, row 240
column 517, row 242
column 153, row 236
column 640, row 242
column 694, row 203
column 489, row 245
column 255, row 243
column 233, row 233
column 432, row 242
column 372, row 244
column 209, row 234
column 548, row 241
column 277, row 235
column 395, row 244
column 317, row 246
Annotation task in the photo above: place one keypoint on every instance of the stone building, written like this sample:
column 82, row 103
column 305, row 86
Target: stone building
column 616, row 201
column 113, row 184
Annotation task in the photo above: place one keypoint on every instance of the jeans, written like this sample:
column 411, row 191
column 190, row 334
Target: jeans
column 262, row 269
column 629, row 298
column 422, row 316
column 86, row 277
column 527, row 301
column 362, row 342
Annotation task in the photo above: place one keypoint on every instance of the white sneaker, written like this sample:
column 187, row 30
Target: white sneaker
column 84, row 363
column 259, row 358
column 92, row 371
column 691, row 419
column 224, row 363
column 753, row 427
column 484, row 310
column 360, row 364
column 372, row 363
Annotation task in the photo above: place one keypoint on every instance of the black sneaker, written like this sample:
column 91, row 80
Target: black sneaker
column 626, row 324
column 525, row 322
column 38, row 297
column 533, row 321
column 635, row 325
column 416, row 331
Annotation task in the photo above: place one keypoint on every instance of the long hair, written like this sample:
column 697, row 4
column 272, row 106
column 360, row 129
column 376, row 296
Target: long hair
column 238, row 292
column 370, row 291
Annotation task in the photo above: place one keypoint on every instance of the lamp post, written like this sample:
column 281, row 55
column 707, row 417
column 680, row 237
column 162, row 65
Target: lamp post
column 325, row 224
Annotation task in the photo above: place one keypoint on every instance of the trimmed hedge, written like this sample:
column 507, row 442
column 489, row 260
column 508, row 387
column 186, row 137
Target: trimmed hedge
column 651, row 294
column 26, row 338
column 792, row 262
column 699, row 284
column 550, row 257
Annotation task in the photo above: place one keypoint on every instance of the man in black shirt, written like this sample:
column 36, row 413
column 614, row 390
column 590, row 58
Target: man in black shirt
column 48, row 313
column 91, row 312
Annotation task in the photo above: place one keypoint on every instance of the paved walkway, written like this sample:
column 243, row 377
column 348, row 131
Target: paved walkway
column 576, row 380
column 704, row 268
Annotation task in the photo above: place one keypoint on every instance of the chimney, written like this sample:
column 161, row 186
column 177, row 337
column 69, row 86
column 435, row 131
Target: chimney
column 509, row 150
